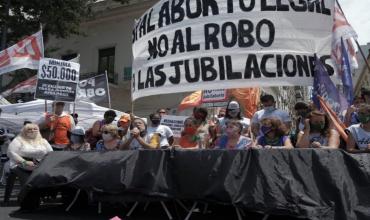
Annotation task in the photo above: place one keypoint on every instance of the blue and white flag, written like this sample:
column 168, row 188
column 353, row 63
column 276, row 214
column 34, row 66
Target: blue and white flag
column 324, row 87
column 345, row 72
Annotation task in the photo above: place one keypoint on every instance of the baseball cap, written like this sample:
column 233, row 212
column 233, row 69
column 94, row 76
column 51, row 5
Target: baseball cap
column 125, row 118
column 233, row 105
column 78, row 130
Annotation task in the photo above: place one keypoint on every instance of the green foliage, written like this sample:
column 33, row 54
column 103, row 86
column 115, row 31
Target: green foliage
column 58, row 17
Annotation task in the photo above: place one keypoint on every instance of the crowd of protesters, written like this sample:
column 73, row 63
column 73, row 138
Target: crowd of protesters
column 269, row 127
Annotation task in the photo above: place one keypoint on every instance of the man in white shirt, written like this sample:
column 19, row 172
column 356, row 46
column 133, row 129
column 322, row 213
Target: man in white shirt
column 165, row 133
column 269, row 111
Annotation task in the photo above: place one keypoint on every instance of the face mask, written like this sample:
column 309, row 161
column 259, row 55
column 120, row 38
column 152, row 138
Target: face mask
column 107, row 137
column 317, row 126
column 156, row 122
column 303, row 114
column 234, row 112
column 31, row 135
column 231, row 131
column 363, row 118
column 190, row 130
column 265, row 130
column 75, row 139
column 269, row 108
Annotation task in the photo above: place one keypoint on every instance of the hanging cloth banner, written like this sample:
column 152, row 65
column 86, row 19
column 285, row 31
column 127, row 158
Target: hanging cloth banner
column 25, row 54
column 181, row 46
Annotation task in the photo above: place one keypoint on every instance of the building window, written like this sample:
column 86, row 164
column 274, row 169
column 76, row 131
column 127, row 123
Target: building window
column 127, row 73
column 69, row 56
column 106, row 63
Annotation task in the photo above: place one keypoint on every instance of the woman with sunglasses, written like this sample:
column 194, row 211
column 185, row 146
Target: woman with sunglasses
column 110, row 139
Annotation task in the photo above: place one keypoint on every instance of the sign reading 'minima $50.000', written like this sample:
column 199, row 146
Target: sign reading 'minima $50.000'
column 191, row 45
column 57, row 80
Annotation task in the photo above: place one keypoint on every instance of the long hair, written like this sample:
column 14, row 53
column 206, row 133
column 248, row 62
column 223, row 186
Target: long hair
column 325, row 131
column 22, row 137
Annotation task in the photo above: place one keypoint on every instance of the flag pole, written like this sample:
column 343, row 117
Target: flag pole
column 106, row 78
column 358, row 45
column 132, row 100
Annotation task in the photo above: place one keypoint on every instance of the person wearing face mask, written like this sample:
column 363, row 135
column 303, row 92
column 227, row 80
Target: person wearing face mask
column 189, row 138
column 94, row 134
column 165, row 133
column 269, row 111
column 359, row 134
column 110, row 139
column 273, row 135
column 233, row 138
column 26, row 151
column 123, row 125
column 233, row 113
column 77, row 140
column 317, row 132
column 138, row 137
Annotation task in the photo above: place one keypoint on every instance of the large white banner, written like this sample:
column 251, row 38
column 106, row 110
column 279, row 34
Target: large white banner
column 24, row 54
column 188, row 45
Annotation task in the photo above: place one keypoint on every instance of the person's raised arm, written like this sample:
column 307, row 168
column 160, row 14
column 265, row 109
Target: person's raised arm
column 303, row 140
column 96, row 129
column 333, row 141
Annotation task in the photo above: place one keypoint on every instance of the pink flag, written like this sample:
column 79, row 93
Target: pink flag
column 342, row 29
column 24, row 54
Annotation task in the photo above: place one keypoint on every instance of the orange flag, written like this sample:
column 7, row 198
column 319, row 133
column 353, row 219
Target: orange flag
column 248, row 98
column 192, row 100
column 334, row 119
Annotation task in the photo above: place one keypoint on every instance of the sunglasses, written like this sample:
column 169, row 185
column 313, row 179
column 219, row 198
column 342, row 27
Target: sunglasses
column 106, row 132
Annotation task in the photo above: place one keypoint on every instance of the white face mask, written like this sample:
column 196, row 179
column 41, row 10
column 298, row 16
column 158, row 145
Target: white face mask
column 31, row 135
column 107, row 137
column 269, row 108
column 234, row 112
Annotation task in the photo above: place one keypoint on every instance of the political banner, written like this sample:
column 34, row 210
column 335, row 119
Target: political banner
column 94, row 89
column 189, row 45
column 176, row 123
column 24, row 54
column 57, row 80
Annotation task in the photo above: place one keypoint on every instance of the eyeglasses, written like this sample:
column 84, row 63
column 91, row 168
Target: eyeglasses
column 162, row 112
column 106, row 132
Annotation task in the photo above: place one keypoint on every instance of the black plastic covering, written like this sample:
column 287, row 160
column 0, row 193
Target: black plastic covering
column 307, row 183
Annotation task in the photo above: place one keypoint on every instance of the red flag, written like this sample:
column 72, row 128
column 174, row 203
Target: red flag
column 248, row 98
column 334, row 119
column 191, row 100
column 24, row 54
column 28, row 85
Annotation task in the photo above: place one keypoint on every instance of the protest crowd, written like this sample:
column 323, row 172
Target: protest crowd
column 269, row 128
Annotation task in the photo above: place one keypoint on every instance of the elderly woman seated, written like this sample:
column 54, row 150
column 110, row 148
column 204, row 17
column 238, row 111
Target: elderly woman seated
column 233, row 138
column 273, row 134
column 317, row 132
column 26, row 151
column 359, row 134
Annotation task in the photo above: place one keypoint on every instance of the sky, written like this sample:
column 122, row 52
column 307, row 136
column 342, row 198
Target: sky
column 358, row 15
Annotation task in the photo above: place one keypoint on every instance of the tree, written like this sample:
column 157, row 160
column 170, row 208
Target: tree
column 58, row 17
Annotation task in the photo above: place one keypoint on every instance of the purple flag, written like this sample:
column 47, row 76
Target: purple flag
column 324, row 87
column 345, row 72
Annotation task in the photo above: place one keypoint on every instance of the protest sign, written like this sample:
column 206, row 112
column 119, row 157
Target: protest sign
column 57, row 80
column 176, row 123
column 191, row 45
column 216, row 95
column 94, row 89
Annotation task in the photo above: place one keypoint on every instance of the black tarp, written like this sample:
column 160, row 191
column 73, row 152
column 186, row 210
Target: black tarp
column 307, row 183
